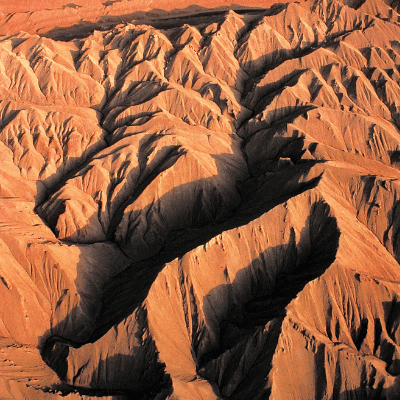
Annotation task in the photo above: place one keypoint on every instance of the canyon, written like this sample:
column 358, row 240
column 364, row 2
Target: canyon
column 200, row 201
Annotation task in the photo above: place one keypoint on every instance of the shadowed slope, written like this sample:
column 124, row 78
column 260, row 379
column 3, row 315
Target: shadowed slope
column 192, row 175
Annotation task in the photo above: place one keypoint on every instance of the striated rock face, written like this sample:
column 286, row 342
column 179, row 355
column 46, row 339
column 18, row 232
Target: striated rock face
column 203, row 207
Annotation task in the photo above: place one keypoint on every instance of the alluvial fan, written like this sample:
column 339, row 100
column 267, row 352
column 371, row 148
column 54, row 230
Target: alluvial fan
column 203, row 207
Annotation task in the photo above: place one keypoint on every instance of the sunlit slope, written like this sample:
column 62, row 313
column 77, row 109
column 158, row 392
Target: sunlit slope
column 204, row 208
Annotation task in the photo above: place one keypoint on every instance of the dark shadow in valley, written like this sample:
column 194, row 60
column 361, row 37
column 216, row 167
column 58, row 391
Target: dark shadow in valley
column 127, row 290
column 394, row 158
column 259, row 319
column 123, row 296
column 257, row 69
column 208, row 217
column 124, row 293
column 380, row 357
column 249, row 332
column 130, row 368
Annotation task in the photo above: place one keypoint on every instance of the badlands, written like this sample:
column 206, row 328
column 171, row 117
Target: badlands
column 200, row 200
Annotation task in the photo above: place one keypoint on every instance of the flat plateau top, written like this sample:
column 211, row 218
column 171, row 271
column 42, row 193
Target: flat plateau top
column 54, row 16
column 17, row 6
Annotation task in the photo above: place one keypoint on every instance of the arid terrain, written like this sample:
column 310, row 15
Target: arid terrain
column 200, row 201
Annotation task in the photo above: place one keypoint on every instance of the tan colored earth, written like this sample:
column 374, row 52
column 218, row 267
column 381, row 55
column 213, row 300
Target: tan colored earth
column 200, row 200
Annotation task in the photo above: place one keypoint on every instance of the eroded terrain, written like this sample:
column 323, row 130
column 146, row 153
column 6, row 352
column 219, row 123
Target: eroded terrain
column 203, row 208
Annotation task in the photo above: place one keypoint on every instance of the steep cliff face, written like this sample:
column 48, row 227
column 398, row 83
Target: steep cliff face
column 203, row 207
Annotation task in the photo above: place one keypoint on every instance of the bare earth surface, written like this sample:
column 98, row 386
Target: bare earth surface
column 200, row 203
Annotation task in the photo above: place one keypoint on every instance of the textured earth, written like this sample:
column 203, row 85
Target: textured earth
column 202, row 203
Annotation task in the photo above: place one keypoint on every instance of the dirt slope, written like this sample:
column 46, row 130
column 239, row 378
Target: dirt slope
column 201, row 204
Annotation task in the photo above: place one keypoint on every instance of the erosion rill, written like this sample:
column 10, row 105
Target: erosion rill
column 202, row 205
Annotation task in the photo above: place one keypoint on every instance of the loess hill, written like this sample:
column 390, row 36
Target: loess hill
column 203, row 207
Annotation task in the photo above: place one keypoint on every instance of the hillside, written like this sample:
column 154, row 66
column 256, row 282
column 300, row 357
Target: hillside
column 201, row 203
